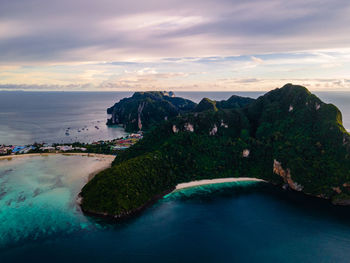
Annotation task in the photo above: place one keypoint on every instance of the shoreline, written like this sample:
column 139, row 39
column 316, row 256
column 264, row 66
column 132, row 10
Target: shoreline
column 105, row 162
column 127, row 215
column 216, row 181
column 100, row 169
column 154, row 199
column 6, row 157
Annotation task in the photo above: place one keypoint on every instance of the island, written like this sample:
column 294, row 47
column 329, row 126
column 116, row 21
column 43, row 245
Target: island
column 287, row 137
column 145, row 109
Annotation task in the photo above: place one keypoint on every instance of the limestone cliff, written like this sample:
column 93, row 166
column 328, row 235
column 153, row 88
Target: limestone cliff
column 145, row 109
column 286, row 175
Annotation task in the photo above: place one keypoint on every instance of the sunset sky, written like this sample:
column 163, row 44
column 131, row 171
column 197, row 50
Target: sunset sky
column 232, row 45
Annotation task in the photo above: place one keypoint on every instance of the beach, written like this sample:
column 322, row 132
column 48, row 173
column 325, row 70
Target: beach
column 104, row 160
column 216, row 181
column 70, row 170
column 8, row 157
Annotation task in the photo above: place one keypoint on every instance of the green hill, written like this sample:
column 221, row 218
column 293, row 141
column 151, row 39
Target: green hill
column 145, row 109
column 287, row 137
column 206, row 104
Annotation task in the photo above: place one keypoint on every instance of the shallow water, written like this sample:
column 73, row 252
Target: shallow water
column 38, row 196
column 230, row 222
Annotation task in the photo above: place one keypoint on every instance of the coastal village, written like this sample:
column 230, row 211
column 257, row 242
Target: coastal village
column 106, row 147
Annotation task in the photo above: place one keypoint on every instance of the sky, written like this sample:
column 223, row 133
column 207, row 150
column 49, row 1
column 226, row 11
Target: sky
column 182, row 45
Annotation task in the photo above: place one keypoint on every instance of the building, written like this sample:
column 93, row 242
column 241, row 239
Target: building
column 17, row 149
column 47, row 148
column 65, row 148
column 80, row 149
column 27, row 149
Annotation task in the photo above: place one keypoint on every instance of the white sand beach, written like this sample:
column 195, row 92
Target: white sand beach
column 103, row 164
column 216, row 181
column 104, row 161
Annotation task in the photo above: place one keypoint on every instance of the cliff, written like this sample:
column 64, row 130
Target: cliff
column 145, row 109
column 287, row 136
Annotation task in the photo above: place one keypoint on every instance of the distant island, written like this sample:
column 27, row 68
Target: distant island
column 145, row 109
column 288, row 137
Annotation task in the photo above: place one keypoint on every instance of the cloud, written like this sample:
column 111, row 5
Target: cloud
column 132, row 82
column 11, row 29
column 182, row 44
column 76, row 30
column 257, row 60
column 201, row 73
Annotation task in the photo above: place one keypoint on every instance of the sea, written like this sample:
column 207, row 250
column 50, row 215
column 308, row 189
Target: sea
column 40, row 220
column 66, row 117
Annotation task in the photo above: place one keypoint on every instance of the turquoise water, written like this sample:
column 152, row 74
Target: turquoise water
column 230, row 222
column 233, row 222
column 38, row 197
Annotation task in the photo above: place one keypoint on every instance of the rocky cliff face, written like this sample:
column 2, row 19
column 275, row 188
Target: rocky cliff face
column 286, row 175
column 145, row 109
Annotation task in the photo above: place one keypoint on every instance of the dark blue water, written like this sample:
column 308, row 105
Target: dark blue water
column 238, row 223
column 241, row 222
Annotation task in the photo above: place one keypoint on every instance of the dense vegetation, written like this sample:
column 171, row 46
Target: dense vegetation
column 145, row 109
column 288, row 126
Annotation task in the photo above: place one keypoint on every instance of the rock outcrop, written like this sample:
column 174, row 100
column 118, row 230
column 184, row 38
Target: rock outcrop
column 145, row 109
column 189, row 127
column 286, row 175
column 214, row 130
